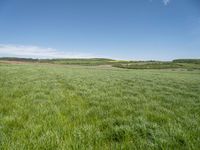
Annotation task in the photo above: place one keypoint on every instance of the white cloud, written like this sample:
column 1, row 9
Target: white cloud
column 166, row 2
column 7, row 50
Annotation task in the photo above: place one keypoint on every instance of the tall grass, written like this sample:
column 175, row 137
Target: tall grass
column 60, row 107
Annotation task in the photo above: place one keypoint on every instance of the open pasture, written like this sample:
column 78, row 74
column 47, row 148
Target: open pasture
column 64, row 107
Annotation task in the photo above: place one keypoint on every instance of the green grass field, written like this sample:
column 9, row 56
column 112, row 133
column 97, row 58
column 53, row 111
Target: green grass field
column 80, row 107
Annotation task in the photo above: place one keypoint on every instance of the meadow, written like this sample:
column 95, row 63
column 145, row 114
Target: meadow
column 52, row 106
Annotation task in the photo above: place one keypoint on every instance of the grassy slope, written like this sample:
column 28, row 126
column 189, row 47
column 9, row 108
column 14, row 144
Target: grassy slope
column 193, row 61
column 157, row 65
column 62, row 107
column 178, row 63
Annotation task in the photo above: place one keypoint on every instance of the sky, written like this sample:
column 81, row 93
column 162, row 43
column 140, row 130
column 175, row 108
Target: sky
column 117, row 29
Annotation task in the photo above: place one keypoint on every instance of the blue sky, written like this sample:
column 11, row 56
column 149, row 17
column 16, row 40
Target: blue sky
column 119, row 29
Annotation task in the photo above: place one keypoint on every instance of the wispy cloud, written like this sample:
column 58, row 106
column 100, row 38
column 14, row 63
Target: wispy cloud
column 166, row 2
column 8, row 50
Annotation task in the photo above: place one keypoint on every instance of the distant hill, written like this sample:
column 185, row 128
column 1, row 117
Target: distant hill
column 177, row 63
column 67, row 61
column 195, row 61
column 18, row 59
